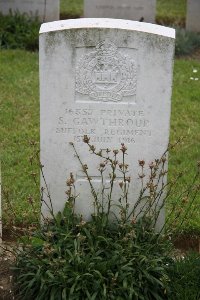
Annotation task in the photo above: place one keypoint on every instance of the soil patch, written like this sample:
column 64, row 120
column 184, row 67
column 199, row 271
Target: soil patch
column 194, row 55
column 187, row 243
column 6, row 275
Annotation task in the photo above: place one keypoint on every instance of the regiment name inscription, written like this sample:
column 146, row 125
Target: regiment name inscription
column 104, row 125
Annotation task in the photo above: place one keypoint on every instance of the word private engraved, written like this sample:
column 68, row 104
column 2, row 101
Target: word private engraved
column 106, row 74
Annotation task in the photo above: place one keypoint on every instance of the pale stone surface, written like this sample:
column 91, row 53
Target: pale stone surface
column 136, row 10
column 110, row 80
column 45, row 10
column 193, row 15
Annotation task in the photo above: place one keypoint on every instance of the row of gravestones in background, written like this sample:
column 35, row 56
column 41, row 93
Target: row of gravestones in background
column 138, row 10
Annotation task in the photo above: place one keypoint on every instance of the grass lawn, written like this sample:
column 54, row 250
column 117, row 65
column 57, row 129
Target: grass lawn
column 19, row 125
column 170, row 11
column 71, row 8
column 185, row 122
column 19, row 94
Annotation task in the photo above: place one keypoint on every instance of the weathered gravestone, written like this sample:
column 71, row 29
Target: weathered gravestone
column 137, row 10
column 45, row 10
column 193, row 15
column 110, row 80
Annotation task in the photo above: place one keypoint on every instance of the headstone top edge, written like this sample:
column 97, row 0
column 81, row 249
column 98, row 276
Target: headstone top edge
column 107, row 23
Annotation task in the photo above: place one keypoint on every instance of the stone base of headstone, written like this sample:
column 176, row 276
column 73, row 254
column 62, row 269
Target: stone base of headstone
column 193, row 16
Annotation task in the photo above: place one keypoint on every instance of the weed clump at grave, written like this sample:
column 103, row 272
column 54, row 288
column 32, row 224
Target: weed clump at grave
column 106, row 257
column 186, row 42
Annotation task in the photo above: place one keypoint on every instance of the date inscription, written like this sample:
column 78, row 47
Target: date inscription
column 104, row 125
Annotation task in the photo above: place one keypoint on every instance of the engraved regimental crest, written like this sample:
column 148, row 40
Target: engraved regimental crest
column 105, row 74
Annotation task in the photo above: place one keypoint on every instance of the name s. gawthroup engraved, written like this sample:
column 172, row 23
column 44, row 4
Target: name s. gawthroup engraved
column 104, row 125
column 105, row 74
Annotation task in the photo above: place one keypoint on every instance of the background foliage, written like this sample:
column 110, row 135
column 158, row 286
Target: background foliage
column 18, row 31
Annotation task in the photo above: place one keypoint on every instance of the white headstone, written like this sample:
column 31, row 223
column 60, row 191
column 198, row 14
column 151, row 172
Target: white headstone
column 108, row 79
column 45, row 10
column 193, row 15
column 137, row 10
